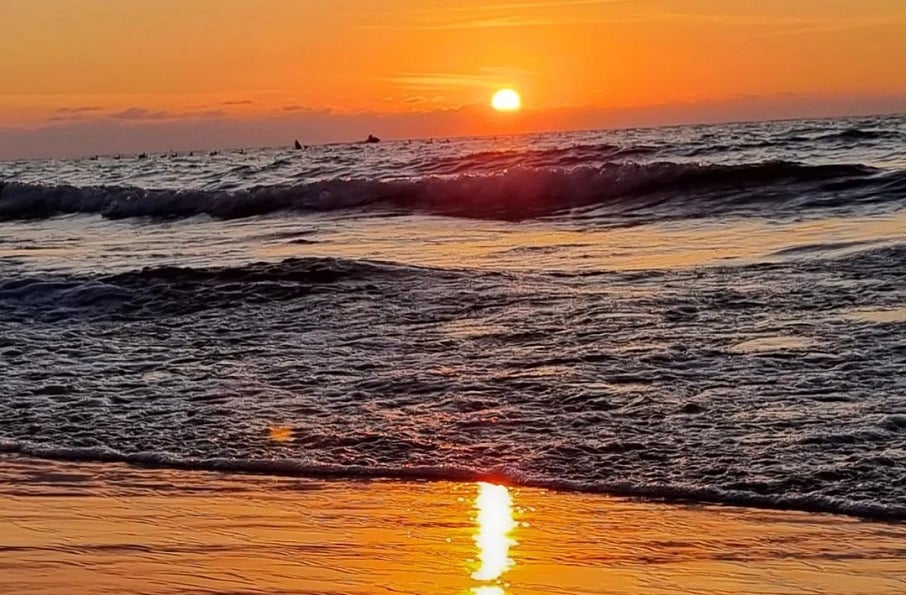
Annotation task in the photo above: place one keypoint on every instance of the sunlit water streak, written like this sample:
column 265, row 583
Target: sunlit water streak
column 493, row 538
column 280, row 434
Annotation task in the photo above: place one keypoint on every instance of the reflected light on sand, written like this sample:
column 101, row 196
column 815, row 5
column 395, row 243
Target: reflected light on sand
column 495, row 522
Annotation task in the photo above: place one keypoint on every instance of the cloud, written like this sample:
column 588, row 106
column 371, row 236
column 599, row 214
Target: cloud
column 542, row 4
column 143, row 114
column 504, row 21
column 429, row 81
column 424, row 83
column 239, row 102
column 303, row 111
column 77, row 110
column 67, row 118
column 204, row 114
column 506, row 6
column 423, row 101
column 140, row 113
column 519, row 13
column 595, row 13
column 806, row 27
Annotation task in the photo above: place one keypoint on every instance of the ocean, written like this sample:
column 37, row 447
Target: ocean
column 710, row 314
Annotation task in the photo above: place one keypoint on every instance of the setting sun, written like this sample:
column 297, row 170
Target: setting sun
column 453, row 297
column 506, row 100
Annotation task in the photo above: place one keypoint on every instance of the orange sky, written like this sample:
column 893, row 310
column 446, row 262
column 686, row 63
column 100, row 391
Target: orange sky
column 335, row 68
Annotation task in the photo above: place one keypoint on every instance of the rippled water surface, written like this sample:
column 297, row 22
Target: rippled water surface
column 702, row 313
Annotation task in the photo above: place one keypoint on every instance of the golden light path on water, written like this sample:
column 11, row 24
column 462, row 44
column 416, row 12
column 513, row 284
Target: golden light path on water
column 495, row 523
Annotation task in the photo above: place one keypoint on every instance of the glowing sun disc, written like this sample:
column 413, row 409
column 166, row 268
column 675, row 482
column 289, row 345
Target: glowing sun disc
column 506, row 100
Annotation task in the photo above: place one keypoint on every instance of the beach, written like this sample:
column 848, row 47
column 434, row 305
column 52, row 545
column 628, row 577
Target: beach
column 86, row 528
column 486, row 297
column 659, row 361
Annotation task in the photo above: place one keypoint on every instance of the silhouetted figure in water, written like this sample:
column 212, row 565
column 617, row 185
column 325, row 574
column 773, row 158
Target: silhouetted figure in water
column 298, row 145
column 372, row 139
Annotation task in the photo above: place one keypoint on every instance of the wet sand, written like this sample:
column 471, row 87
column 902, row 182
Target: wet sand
column 90, row 528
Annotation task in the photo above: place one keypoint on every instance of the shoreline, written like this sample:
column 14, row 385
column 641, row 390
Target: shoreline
column 92, row 528
column 288, row 468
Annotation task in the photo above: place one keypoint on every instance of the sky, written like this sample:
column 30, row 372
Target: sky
column 80, row 77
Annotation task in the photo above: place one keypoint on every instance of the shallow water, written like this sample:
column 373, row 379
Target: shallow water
column 703, row 313
column 85, row 528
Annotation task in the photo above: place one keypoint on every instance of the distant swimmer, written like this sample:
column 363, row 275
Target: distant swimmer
column 372, row 139
column 298, row 145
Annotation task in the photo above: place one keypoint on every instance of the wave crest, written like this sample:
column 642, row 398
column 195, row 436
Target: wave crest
column 675, row 189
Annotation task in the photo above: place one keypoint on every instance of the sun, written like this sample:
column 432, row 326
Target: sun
column 506, row 100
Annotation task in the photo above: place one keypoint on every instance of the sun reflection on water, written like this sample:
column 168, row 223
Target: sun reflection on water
column 280, row 434
column 495, row 522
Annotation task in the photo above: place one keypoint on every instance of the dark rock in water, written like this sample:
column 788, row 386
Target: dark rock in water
column 372, row 139
column 298, row 145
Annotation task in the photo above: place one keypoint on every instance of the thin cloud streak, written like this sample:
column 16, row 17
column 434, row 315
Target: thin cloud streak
column 434, row 21
column 434, row 81
column 143, row 114
column 139, row 113
column 540, row 4
column 78, row 110
column 837, row 27
column 426, row 81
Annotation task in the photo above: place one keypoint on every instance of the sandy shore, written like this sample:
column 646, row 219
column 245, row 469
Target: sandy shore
column 87, row 528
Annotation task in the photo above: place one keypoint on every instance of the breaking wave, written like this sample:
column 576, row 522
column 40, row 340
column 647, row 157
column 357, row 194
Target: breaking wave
column 488, row 162
column 814, row 503
column 661, row 189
